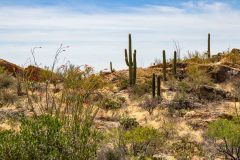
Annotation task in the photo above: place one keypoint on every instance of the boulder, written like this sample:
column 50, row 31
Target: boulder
column 211, row 93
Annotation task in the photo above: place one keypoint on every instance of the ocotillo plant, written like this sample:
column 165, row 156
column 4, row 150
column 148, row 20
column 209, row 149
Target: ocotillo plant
column 175, row 64
column 153, row 86
column 158, row 87
column 164, row 66
column 131, row 62
column 209, row 46
column 111, row 69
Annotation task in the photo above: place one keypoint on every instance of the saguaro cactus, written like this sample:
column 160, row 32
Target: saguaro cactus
column 134, row 67
column 175, row 64
column 131, row 62
column 158, row 87
column 164, row 66
column 209, row 46
column 111, row 69
column 153, row 86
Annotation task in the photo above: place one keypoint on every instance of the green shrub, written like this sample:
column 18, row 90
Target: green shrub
column 197, row 76
column 46, row 137
column 7, row 98
column 226, row 135
column 68, row 132
column 144, row 141
column 109, row 154
column 185, row 149
column 128, row 123
column 196, row 57
column 140, row 89
column 6, row 81
column 111, row 103
column 122, row 83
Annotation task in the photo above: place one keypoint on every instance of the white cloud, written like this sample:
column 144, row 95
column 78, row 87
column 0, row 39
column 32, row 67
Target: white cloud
column 99, row 38
column 207, row 7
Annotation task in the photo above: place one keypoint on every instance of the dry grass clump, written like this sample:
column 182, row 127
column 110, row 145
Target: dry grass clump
column 231, row 59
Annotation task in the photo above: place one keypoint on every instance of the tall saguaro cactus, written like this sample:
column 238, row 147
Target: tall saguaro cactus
column 209, row 46
column 164, row 66
column 111, row 69
column 131, row 62
column 158, row 87
column 153, row 86
column 175, row 64
column 134, row 66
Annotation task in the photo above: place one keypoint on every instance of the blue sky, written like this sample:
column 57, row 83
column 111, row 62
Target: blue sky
column 107, row 3
column 96, row 30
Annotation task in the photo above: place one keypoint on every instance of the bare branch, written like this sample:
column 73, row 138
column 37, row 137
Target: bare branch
column 58, row 52
column 177, row 48
column 33, row 55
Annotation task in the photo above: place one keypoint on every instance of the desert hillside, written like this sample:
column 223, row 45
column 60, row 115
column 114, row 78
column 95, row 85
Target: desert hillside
column 171, row 110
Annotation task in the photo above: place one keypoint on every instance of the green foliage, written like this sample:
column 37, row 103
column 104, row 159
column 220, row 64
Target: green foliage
column 122, row 83
column 191, row 88
column 111, row 103
column 234, row 58
column 7, row 98
column 79, row 85
column 141, row 88
column 77, row 78
column 182, row 96
column 227, row 133
column 73, row 107
column 182, row 91
column 46, row 137
column 2, row 70
column 143, row 140
column 128, row 123
column 185, row 149
column 139, row 141
column 197, row 76
column 6, row 81
column 196, row 57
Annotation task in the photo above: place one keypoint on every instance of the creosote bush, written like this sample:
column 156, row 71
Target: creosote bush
column 137, row 141
column 226, row 136
column 47, row 137
column 144, row 141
